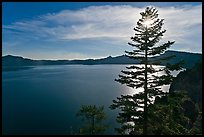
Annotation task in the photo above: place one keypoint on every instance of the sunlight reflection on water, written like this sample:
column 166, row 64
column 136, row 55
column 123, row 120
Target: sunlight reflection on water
column 44, row 100
column 165, row 88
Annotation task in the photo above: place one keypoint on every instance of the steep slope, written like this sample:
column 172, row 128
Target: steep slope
column 190, row 81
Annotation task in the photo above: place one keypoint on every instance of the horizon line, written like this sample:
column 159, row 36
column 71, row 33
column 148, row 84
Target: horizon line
column 90, row 58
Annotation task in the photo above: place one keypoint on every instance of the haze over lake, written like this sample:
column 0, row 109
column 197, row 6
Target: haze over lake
column 45, row 99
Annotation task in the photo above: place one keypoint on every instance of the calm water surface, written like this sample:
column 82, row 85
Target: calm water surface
column 45, row 99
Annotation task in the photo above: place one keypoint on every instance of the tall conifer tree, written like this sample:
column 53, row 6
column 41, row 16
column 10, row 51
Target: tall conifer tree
column 134, row 108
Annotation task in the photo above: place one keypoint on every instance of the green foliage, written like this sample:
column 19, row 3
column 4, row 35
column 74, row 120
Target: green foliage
column 93, row 116
column 193, row 83
column 134, row 108
column 170, row 116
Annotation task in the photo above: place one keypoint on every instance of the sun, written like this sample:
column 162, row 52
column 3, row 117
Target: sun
column 148, row 23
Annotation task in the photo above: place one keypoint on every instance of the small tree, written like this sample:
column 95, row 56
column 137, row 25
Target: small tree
column 94, row 116
column 134, row 108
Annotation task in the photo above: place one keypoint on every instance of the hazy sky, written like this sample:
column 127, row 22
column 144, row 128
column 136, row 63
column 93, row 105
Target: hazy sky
column 80, row 30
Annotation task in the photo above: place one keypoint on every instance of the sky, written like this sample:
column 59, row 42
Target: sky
column 82, row 30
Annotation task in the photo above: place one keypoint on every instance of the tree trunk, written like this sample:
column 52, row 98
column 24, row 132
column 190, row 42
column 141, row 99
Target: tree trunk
column 145, row 89
column 92, row 126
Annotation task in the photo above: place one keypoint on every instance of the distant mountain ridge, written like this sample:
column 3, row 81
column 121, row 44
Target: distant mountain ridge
column 15, row 61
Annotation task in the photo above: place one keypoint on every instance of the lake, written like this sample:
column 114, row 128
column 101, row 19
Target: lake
column 45, row 99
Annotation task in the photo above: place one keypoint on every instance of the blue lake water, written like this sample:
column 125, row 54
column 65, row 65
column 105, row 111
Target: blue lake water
column 45, row 99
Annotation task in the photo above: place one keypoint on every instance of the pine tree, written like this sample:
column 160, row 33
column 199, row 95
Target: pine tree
column 94, row 116
column 134, row 108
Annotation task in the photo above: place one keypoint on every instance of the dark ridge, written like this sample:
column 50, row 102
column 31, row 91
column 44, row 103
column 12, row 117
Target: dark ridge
column 189, row 58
